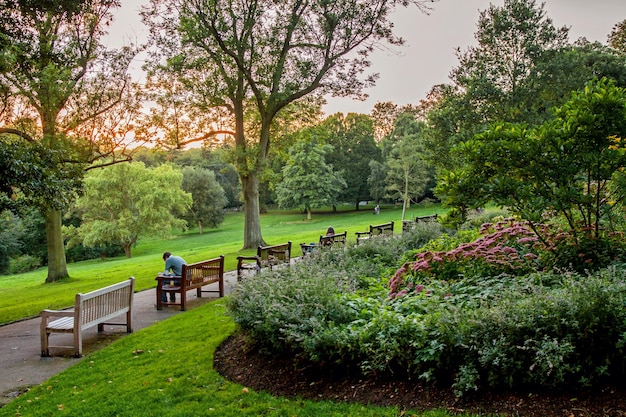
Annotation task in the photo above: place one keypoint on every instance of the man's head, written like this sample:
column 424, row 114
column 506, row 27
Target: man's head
column 166, row 255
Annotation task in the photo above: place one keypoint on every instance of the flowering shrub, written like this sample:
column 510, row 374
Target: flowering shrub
column 507, row 247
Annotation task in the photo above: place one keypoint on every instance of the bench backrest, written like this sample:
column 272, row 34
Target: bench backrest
column 431, row 218
column 273, row 253
column 204, row 272
column 329, row 240
column 104, row 303
column 385, row 228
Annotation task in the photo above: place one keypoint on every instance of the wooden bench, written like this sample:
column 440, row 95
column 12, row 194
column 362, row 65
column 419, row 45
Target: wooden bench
column 325, row 241
column 93, row 308
column 266, row 256
column 409, row 224
column 379, row 229
column 195, row 276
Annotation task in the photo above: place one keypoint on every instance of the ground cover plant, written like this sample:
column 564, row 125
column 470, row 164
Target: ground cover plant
column 488, row 323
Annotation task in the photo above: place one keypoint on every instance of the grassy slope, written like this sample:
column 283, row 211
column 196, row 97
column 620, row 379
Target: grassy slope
column 25, row 295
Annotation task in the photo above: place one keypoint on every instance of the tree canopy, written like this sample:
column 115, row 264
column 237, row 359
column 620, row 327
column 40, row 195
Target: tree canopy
column 232, row 54
column 125, row 202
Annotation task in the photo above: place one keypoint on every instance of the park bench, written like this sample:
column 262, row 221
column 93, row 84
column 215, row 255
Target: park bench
column 379, row 229
column 325, row 241
column 266, row 257
column 194, row 276
column 90, row 309
column 409, row 224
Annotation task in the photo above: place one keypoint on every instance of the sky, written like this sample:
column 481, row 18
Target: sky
column 407, row 75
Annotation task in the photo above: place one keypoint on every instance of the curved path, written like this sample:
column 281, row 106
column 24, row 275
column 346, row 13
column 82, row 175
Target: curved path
column 20, row 357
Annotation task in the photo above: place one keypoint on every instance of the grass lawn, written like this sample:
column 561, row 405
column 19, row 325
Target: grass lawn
column 166, row 370
column 25, row 295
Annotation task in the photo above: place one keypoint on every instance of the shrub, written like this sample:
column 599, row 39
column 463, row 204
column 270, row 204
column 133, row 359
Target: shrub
column 24, row 263
column 487, row 327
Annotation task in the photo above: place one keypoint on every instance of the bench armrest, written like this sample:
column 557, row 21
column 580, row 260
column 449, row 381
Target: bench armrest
column 57, row 313
column 359, row 234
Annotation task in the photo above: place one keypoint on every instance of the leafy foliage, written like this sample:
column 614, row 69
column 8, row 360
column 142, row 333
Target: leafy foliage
column 483, row 328
column 127, row 201
column 308, row 181
column 208, row 197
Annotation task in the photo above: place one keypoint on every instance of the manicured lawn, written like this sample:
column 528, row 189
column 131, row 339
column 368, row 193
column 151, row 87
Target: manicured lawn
column 25, row 295
column 167, row 370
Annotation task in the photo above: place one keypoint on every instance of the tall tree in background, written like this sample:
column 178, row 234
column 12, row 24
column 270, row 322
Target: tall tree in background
column 209, row 200
column 63, row 88
column 352, row 138
column 617, row 37
column 488, row 85
column 267, row 54
column 407, row 170
column 308, row 181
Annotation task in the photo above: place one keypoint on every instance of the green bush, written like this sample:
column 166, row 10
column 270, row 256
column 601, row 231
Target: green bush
column 541, row 330
column 23, row 264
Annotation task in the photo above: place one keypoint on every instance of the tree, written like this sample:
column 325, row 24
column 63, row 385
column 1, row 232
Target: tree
column 208, row 196
column 309, row 182
column 407, row 170
column 488, row 84
column 572, row 166
column 62, row 89
column 352, row 138
column 233, row 54
column 617, row 37
column 125, row 202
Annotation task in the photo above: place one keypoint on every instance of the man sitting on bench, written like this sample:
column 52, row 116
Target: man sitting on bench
column 174, row 267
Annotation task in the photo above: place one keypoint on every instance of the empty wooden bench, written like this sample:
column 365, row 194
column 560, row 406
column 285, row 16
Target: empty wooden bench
column 379, row 229
column 325, row 241
column 266, row 256
column 195, row 276
column 90, row 309
column 409, row 224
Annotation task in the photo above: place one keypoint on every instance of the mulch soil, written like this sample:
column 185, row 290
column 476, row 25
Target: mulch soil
column 245, row 365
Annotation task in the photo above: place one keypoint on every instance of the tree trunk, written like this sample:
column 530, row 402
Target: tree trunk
column 308, row 213
column 200, row 230
column 57, row 264
column 127, row 250
column 252, row 225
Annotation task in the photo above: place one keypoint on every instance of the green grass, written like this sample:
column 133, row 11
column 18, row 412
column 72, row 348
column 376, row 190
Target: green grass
column 25, row 295
column 174, row 376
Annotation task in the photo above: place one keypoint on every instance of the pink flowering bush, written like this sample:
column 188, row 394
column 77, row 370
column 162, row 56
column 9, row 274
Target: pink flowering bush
column 507, row 247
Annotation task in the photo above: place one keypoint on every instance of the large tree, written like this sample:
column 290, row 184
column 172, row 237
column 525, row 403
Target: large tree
column 407, row 172
column 266, row 54
column 125, row 202
column 62, row 88
column 352, row 137
column 308, row 181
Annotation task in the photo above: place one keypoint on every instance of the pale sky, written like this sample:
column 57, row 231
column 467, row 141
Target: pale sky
column 428, row 56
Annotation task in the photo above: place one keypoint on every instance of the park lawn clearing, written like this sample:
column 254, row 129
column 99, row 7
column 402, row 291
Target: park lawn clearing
column 25, row 295
column 167, row 370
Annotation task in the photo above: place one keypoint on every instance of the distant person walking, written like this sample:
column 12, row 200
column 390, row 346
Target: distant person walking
column 377, row 210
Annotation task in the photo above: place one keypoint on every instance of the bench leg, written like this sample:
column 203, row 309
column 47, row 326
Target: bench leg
column 78, row 343
column 45, row 352
column 183, row 300
column 221, row 286
column 159, row 303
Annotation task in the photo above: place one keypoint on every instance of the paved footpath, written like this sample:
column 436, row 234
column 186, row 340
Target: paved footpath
column 21, row 363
